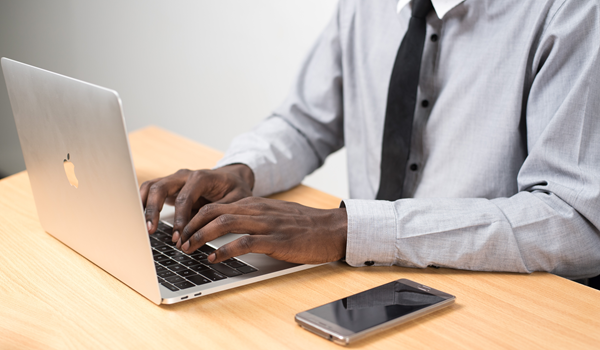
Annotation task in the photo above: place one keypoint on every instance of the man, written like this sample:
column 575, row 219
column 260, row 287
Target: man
column 501, row 162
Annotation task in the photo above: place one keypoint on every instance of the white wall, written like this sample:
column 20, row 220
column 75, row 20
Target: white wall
column 207, row 70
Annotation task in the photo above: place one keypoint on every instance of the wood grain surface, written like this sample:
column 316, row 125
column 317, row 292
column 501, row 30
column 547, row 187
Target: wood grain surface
column 52, row 298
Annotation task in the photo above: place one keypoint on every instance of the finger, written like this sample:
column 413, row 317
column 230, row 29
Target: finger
column 144, row 188
column 229, row 223
column 187, row 198
column 243, row 245
column 206, row 214
column 157, row 194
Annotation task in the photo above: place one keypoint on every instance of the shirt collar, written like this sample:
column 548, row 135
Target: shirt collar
column 441, row 7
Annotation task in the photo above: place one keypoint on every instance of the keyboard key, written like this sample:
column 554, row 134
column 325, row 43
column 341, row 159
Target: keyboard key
column 159, row 235
column 226, row 270
column 186, row 273
column 155, row 252
column 168, row 263
column 197, row 252
column 206, row 249
column 212, row 275
column 235, row 263
column 160, row 258
column 246, row 269
column 179, row 253
column 190, row 263
column 166, row 273
column 182, row 258
column 156, row 243
column 164, row 249
column 200, row 268
column 174, row 279
column 166, row 239
column 164, row 228
column 198, row 280
column 168, row 285
column 201, row 259
column 187, row 259
column 177, row 268
column 184, row 285
column 167, row 233
column 160, row 269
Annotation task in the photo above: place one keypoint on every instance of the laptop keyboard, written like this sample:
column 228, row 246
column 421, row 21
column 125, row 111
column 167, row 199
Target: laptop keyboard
column 177, row 270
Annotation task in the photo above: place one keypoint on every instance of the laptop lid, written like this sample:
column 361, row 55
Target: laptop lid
column 77, row 154
column 76, row 150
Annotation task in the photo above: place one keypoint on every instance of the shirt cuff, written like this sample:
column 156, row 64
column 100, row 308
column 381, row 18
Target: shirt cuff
column 371, row 232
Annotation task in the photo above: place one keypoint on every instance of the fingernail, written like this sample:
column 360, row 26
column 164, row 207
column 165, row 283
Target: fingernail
column 175, row 236
column 178, row 245
column 185, row 246
column 212, row 257
column 149, row 224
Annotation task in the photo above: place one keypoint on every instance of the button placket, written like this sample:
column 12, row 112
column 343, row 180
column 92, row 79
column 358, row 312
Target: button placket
column 426, row 100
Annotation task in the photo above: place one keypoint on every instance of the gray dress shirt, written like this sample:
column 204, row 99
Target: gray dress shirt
column 504, row 170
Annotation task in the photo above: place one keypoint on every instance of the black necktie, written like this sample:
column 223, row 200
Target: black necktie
column 402, row 97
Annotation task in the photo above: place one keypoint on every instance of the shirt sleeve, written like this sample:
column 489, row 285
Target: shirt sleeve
column 304, row 130
column 551, row 224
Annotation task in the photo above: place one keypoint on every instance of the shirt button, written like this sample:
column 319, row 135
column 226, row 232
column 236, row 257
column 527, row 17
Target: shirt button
column 434, row 37
column 414, row 167
column 425, row 103
column 369, row 263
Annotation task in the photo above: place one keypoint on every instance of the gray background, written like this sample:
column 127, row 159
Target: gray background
column 208, row 70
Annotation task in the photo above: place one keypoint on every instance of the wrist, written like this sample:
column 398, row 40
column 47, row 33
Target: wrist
column 244, row 172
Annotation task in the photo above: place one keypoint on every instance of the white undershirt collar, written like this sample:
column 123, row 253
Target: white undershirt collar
column 441, row 7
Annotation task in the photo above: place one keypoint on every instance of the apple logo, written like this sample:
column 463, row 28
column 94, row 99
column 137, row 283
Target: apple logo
column 70, row 171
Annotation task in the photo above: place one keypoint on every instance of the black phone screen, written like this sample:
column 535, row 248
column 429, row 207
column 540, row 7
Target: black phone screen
column 376, row 306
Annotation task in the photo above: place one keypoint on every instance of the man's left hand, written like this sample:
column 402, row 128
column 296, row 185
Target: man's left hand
column 283, row 230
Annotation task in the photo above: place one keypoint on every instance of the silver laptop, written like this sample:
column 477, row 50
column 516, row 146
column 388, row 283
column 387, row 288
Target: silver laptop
column 77, row 155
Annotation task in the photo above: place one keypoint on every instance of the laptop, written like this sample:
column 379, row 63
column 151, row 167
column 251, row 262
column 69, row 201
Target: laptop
column 77, row 155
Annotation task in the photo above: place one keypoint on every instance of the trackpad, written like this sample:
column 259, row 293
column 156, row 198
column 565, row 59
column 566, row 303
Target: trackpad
column 225, row 239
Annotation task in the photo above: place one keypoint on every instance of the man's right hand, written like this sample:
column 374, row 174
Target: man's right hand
column 189, row 190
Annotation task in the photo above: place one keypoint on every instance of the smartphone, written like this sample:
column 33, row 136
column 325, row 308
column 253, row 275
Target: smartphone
column 355, row 317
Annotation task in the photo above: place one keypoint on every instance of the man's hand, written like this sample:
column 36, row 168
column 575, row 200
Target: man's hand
column 283, row 230
column 189, row 190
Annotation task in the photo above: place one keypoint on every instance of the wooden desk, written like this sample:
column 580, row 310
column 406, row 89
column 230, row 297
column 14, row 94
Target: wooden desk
column 83, row 307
